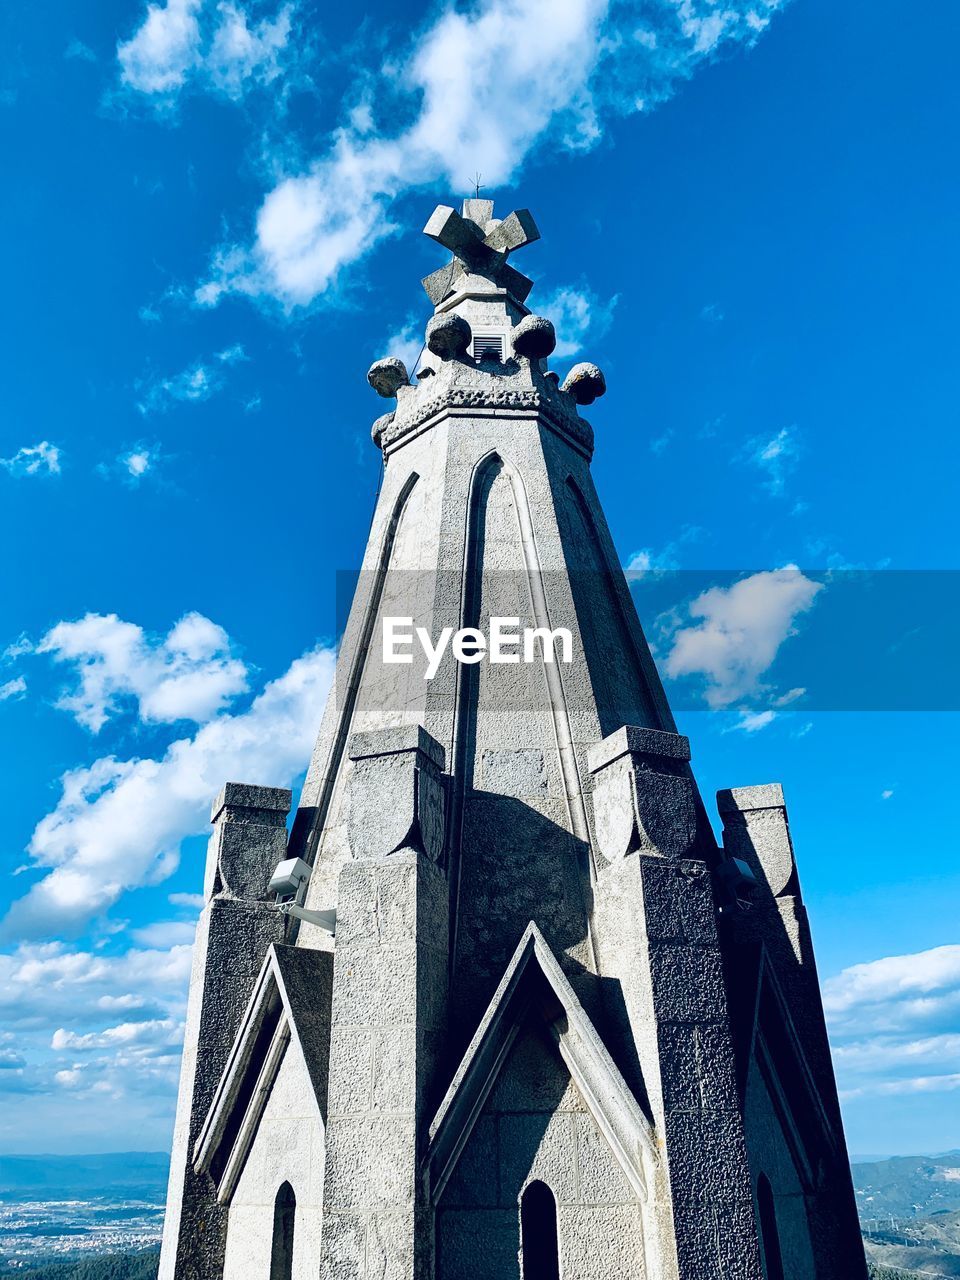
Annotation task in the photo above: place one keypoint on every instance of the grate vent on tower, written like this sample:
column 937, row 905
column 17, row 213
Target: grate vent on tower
column 488, row 346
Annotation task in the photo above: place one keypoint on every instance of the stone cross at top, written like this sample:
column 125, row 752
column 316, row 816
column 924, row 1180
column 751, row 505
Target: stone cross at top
column 480, row 244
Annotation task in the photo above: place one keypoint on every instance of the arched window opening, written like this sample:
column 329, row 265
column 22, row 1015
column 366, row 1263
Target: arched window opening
column 284, row 1214
column 769, row 1235
column 539, row 1249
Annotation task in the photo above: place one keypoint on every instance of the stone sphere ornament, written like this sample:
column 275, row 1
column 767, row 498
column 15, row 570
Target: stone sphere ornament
column 387, row 376
column 448, row 335
column 585, row 383
column 534, row 337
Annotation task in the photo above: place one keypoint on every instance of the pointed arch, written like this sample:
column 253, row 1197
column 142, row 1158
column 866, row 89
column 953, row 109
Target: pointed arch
column 539, row 1243
column 485, row 472
column 284, row 1220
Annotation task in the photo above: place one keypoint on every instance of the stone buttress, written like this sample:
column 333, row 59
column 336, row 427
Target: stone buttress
column 548, row 1037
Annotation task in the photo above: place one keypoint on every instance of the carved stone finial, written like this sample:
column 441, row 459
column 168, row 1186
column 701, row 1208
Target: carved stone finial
column 479, row 248
column 448, row 335
column 534, row 337
column 585, row 383
column 387, row 376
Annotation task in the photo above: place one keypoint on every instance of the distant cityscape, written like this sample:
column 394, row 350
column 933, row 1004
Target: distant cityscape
column 55, row 1210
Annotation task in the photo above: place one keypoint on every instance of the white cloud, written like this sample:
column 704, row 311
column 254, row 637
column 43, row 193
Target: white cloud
column 901, row 989
column 164, row 933
column 137, row 462
column 14, row 688
column 894, row 1024
column 190, row 674
column 482, row 88
column 43, row 985
column 753, row 721
column 576, row 313
column 233, row 355
column 121, row 1046
column 886, row 795
column 158, row 1032
column 886, row 1052
column 164, row 50
column 135, row 465
column 775, row 457
column 406, row 344
column 192, row 385
column 646, row 560
column 119, row 823
column 742, row 629
column 215, row 47
column 41, row 459
column 242, row 54
column 192, row 901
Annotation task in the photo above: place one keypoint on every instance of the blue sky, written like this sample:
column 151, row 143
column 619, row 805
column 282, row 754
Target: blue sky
column 212, row 215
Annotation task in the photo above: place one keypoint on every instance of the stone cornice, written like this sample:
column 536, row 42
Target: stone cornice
column 489, row 395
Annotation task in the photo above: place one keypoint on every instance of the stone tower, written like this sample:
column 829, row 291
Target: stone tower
column 560, row 1031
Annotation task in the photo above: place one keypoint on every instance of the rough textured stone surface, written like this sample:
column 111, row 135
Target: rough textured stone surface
column 770, row 955
column 379, row 427
column 585, row 383
column 233, row 934
column 534, row 337
column 641, row 800
column 387, row 376
column 448, row 335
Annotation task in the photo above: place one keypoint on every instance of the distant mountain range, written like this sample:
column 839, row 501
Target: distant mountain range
column 126, row 1174
column 908, row 1186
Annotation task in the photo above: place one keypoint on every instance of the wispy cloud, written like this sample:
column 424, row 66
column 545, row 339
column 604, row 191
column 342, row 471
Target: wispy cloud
column 15, row 688
column 41, row 459
column 738, row 635
column 83, row 1035
column 77, row 50
column 233, row 355
column 754, row 721
column 189, row 901
column 134, row 465
column 43, row 985
column 189, row 674
column 482, row 88
column 165, row 933
column 197, row 44
column 893, row 1024
column 191, row 386
column 649, row 560
column 119, row 823
column 406, row 343
column 86, row 1033
column 775, row 457
column 138, row 462
column 577, row 313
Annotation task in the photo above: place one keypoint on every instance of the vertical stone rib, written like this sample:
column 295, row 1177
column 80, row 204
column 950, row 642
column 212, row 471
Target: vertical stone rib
column 322, row 777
